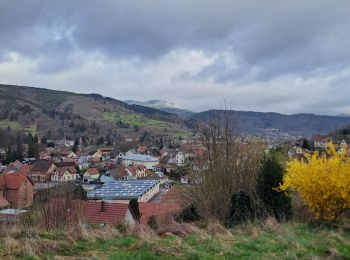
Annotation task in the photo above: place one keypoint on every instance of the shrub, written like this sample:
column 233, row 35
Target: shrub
column 322, row 182
column 80, row 193
column 188, row 214
column 241, row 209
column 270, row 176
column 120, row 226
column 152, row 222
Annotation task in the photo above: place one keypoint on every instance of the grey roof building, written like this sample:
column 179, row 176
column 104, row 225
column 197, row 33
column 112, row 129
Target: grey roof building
column 142, row 190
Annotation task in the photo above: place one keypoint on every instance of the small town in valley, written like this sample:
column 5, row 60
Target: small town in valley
column 184, row 129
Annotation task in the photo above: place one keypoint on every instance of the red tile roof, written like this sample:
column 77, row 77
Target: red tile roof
column 14, row 181
column 97, row 212
column 93, row 171
column 141, row 149
column 149, row 209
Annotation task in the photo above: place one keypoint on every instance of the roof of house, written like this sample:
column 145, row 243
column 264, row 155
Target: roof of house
column 3, row 202
column 148, row 209
column 120, row 172
column 139, row 157
column 14, row 181
column 96, row 212
column 42, row 165
column 93, row 171
column 106, row 149
column 133, row 168
column 70, row 160
column 62, row 170
column 141, row 149
column 111, row 165
column 65, row 164
column 122, row 190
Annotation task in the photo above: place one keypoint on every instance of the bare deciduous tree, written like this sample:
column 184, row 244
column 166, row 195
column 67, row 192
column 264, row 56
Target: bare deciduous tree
column 227, row 166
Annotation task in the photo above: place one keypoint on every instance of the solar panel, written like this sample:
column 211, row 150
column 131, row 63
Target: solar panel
column 123, row 189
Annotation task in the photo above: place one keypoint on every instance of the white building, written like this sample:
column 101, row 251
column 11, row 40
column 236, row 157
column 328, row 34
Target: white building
column 134, row 158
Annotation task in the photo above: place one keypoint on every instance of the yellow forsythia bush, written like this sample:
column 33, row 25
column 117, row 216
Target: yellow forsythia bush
column 322, row 182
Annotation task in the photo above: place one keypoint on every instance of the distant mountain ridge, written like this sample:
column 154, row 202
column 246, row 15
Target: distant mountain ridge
column 164, row 106
column 59, row 114
column 260, row 123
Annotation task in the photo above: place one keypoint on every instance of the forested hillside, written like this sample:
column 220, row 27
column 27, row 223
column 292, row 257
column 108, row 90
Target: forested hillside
column 59, row 114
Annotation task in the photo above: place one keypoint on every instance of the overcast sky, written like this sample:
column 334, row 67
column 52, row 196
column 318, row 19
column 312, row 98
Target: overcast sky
column 283, row 56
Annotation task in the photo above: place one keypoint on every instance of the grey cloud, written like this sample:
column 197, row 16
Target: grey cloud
column 252, row 43
column 279, row 37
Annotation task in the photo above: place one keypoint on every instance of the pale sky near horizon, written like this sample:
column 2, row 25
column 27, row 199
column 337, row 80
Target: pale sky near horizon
column 281, row 56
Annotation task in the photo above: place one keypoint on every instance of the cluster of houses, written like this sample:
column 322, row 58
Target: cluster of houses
column 318, row 143
column 111, row 179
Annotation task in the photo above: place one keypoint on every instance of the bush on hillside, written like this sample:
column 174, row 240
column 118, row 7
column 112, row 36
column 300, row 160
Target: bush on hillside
column 270, row 176
column 322, row 182
column 241, row 209
column 188, row 215
column 152, row 222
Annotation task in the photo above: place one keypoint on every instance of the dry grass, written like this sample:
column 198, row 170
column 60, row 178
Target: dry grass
column 268, row 239
column 271, row 224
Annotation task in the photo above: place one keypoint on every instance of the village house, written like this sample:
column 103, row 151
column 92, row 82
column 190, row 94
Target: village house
column 68, row 154
column 295, row 150
column 134, row 158
column 42, row 170
column 71, row 165
column 16, row 189
column 83, row 162
column 174, row 157
column 106, row 212
column 62, row 174
column 137, row 170
column 131, row 172
column 121, row 174
column 91, row 174
column 343, row 147
column 320, row 141
column 142, row 190
column 106, row 153
column 95, row 157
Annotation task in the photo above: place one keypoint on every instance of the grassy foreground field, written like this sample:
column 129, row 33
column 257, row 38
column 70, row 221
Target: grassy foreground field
column 265, row 241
